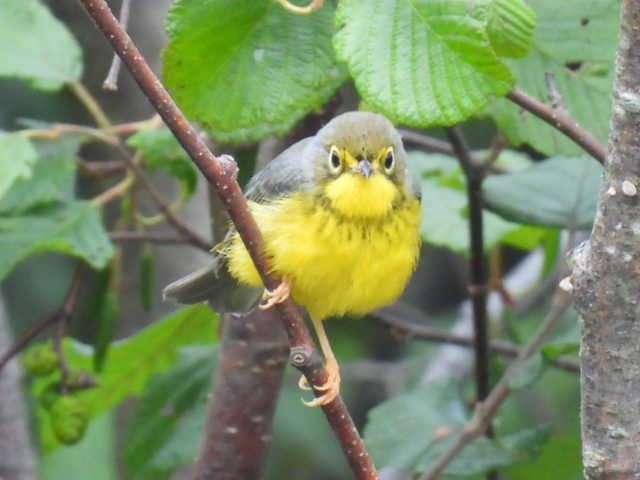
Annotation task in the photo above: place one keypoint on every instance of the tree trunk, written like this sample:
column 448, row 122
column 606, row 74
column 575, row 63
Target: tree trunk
column 606, row 280
column 16, row 455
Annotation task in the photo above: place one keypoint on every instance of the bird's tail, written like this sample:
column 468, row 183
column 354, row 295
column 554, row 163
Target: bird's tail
column 213, row 284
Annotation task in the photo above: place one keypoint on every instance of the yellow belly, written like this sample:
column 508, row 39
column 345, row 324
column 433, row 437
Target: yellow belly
column 336, row 266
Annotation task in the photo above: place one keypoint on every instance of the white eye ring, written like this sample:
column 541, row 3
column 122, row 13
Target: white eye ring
column 389, row 161
column 335, row 160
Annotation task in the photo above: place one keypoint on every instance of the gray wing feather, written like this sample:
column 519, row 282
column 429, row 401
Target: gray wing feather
column 281, row 176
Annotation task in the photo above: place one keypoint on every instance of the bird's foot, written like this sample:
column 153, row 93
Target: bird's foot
column 331, row 387
column 276, row 296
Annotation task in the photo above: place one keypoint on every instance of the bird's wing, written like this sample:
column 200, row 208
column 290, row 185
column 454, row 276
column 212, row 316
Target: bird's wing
column 281, row 176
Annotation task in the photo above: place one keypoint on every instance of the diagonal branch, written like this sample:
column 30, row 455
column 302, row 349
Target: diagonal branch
column 561, row 120
column 220, row 171
column 486, row 410
column 418, row 328
column 58, row 317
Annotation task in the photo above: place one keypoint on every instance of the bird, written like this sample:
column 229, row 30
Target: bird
column 340, row 216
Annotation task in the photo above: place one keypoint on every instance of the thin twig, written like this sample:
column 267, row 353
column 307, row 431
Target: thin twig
column 560, row 120
column 116, row 191
column 310, row 8
column 65, row 313
column 485, row 411
column 60, row 315
column 90, row 103
column 111, row 82
column 418, row 328
column 554, row 94
column 133, row 163
column 479, row 286
column 221, row 172
column 101, row 169
column 122, row 236
column 426, row 142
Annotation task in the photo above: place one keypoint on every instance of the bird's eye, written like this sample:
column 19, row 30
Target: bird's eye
column 335, row 163
column 389, row 161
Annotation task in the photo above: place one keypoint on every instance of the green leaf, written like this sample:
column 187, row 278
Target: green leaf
column 132, row 361
column 52, row 179
column 559, row 192
column 561, row 458
column 412, row 430
column 575, row 41
column 511, row 26
column 445, row 222
column 526, row 372
column 37, row 47
column 163, row 152
column 165, row 432
column 249, row 69
column 419, row 62
column 73, row 229
column 17, row 157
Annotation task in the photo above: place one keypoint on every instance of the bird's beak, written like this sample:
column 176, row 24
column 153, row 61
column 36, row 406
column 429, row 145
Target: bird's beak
column 365, row 168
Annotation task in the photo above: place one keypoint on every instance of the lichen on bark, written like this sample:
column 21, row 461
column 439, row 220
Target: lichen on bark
column 606, row 282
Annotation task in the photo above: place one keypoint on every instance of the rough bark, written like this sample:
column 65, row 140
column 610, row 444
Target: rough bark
column 606, row 282
column 16, row 454
column 254, row 352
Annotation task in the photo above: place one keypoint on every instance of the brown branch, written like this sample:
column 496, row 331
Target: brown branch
column 254, row 352
column 606, row 281
column 418, row 328
column 560, row 120
column 220, row 171
column 431, row 144
column 101, row 169
column 479, row 287
column 486, row 410
column 58, row 317
column 111, row 82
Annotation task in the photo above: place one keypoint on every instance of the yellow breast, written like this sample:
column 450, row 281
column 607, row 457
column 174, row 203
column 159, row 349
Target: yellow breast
column 337, row 265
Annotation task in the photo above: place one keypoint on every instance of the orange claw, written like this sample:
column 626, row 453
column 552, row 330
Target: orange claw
column 331, row 387
column 276, row 296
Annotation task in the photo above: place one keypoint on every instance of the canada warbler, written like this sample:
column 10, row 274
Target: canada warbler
column 340, row 218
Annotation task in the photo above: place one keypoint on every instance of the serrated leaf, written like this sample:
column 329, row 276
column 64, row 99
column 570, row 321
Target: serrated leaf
column 412, row 430
column 510, row 28
column 73, row 229
column 526, row 372
column 132, row 361
column 164, row 434
column 265, row 67
column 17, row 157
column 419, row 62
column 559, row 192
column 575, row 41
column 37, row 47
column 52, row 179
column 163, row 152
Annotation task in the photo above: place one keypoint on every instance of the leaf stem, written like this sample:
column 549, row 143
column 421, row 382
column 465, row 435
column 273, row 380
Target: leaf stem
column 90, row 103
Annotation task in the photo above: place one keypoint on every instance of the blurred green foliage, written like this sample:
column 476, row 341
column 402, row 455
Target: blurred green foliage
column 249, row 69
